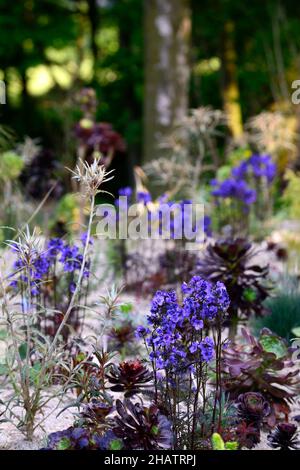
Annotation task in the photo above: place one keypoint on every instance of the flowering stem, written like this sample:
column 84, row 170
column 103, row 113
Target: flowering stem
column 78, row 284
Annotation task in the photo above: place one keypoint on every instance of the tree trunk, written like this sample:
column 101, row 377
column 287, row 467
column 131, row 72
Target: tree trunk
column 167, row 35
column 231, row 94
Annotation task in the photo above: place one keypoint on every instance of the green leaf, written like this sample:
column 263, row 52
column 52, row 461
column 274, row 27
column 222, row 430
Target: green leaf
column 34, row 372
column 296, row 331
column 273, row 344
column 217, row 442
column 64, row 444
column 23, row 351
column 231, row 445
column 116, row 444
column 154, row 430
column 249, row 295
column 126, row 308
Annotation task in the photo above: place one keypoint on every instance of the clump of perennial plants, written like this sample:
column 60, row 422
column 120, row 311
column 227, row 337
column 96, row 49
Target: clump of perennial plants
column 134, row 427
column 232, row 261
column 262, row 366
column 96, row 138
column 53, row 277
column 30, row 378
column 248, row 186
column 106, row 423
column 183, row 355
column 218, row 443
column 82, row 438
column 252, row 407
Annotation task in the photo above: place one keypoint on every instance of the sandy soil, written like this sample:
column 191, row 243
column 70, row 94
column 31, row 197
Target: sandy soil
column 13, row 439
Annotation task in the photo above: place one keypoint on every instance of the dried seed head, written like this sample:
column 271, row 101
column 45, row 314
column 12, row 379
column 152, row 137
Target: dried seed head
column 29, row 149
column 91, row 177
column 28, row 246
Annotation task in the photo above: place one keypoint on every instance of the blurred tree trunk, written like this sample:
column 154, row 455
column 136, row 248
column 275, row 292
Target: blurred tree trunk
column 167, row 35
column 231, row 93
column 93, row 17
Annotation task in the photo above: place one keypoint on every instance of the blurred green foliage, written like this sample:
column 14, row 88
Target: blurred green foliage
column 291, row 195
column 67, row 211
column 283, row 316
column 11, row 166
column 50, row 48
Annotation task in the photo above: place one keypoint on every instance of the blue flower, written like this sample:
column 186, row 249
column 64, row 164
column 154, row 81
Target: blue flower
column 141, row 331
column 83, row 239
column 175, row 331
column 232, row 188
column 241, row 170
column 127, row 191
column 54, row 247
column 72, row 287
column 207, row 226
column 71, row 258
column 143, row 196
column 207, row 349
column 263, row 167
column 194, row 347
column 237, row 187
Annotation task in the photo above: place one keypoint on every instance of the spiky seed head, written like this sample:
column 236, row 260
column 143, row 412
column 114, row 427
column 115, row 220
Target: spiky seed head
column 28, row 246
column 91, row 176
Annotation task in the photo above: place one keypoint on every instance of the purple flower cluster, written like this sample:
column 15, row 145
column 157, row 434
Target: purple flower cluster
column 38, row 270
column 71, row 258
column 207, row 226
column 204, row 300
column 141, row 196
column 174, row 333
column 127, row 191
column 54, row 247
column 206, row 348
column 144, row 197
column 57, row 255
column 182, row 214
column 260, row 166
column 234, row 189
column 237, row 187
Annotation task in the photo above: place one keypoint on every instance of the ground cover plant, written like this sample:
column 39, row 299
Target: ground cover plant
column 31, row 356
